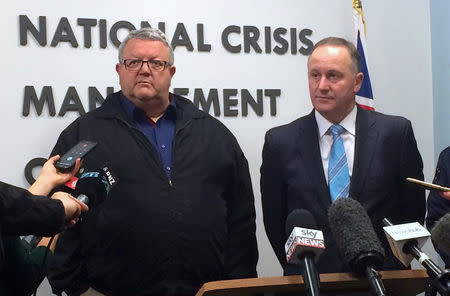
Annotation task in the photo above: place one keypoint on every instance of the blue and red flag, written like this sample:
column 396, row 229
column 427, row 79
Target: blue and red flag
column 364, row 97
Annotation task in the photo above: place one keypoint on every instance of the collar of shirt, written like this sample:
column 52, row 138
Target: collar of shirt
column 137, row 114
column 160, row 133
column 326, row 139
column 348, row 123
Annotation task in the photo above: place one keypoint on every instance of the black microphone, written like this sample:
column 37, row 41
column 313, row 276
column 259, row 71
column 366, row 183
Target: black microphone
column 440, row 279
column 303, row 246
column 441, row 233
column 357, row 241
column 93, row 187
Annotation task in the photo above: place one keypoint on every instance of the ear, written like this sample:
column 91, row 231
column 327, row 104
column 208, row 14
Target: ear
column 358, row 81
column 172, row 70
column 118, row 68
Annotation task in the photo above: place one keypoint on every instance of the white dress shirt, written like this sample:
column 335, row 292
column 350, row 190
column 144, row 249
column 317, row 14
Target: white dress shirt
column 326, row 139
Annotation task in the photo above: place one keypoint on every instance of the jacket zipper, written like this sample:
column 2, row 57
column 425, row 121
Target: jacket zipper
column 174, row 145
column 137, row 130
column 174, row 141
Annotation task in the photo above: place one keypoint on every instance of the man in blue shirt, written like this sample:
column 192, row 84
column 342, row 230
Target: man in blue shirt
column 182, row 212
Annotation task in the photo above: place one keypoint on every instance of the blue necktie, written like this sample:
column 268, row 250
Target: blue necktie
column 338, row 175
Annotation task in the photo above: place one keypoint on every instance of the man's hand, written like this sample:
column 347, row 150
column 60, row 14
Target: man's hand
column 50, row 177
column 445, row 194
column 72, row 207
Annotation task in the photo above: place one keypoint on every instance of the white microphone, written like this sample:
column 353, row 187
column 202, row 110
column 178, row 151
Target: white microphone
column 398, row 235
column 304, row 240
column 407, row 240
column 304, row 246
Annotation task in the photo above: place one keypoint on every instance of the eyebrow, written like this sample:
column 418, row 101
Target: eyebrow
column 332, row 71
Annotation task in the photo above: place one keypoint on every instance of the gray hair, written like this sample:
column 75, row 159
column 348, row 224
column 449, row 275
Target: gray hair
column 341, row 42
column 147, row 34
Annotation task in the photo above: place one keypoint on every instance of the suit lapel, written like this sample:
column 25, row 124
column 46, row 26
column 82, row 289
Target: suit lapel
column 310, row 152
column 366, row 140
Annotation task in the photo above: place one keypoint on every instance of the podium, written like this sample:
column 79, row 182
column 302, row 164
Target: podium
column 396, row 282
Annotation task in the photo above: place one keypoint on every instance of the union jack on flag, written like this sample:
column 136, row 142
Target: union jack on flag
column 364, row 97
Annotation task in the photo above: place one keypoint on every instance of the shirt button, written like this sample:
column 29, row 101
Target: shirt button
column 168, row 168
column 163, row 146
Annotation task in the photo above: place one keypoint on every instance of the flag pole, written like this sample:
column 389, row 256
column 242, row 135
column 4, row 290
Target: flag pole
column 358, row 6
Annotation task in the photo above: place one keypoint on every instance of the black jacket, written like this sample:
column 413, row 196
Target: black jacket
column 152, row 235
column 438, row 206
column 22, row 213
column 24, row 267
column 292, row 178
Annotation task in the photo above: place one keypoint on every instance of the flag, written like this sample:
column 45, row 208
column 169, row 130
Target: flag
column 364, row 97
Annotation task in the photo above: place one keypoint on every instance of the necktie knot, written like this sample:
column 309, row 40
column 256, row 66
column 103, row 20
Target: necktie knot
column 336, row 130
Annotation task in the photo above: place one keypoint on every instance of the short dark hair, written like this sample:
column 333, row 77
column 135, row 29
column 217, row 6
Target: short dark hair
column 337, row 41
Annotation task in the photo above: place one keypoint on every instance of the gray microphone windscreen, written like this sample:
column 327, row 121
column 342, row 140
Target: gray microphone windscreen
column 354, row 235
column 441, row 233
column 299, row 218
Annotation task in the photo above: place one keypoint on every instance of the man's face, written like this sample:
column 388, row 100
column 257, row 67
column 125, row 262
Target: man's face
column 145, row 86
column 333, row 82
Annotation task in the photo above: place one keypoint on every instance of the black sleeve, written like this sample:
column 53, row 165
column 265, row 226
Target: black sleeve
column 26, row 265
column 436, row 205
column 273, row 198
column 22, row 213
column 242, row 254
column 413, row 205
column 67, row 268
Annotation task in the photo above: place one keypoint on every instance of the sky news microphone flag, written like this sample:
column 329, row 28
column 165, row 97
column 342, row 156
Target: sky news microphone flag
column 364, row 97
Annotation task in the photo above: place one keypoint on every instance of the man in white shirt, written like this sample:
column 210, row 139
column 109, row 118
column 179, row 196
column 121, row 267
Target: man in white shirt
column 339, row 150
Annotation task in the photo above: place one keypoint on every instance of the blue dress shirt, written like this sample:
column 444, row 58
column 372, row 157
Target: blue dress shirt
column 159, row 133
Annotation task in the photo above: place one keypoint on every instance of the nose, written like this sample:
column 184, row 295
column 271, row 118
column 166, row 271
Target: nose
column 323, row 84
column 145, row 69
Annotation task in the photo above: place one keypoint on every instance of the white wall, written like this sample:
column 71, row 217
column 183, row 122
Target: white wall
column 399, row 56
column 440, row 44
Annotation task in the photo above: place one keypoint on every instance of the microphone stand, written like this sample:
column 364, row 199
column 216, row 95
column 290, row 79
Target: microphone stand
column 310, row 276
column 375, row 282
column 440, row 279
column 430, row 290
column 364, row 264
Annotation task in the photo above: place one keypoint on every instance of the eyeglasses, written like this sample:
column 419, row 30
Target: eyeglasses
column 135, row 65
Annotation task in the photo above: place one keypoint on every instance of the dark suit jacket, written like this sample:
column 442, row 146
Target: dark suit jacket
column 292, row 178
column 438, row 206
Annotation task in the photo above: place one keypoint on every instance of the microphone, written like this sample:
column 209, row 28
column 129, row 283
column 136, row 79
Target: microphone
column 304, row 246
column 403, row 239
column 93, row 187
column 357, row 240
column 441, row 233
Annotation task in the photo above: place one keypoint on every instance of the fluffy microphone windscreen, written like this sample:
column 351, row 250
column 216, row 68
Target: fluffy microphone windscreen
column 441, row 233
column 354, row 235
column 299, row 218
